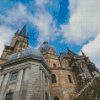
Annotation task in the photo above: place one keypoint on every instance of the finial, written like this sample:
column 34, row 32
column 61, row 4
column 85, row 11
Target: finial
column 83, row 53
column 45, row 42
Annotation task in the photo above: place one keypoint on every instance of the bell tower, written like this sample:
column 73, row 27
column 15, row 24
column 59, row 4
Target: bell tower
column 19, row 43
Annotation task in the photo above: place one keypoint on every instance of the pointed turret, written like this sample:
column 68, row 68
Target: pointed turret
column 23, row 32
column 17, row 31
column 69, row 51
column 27, row 35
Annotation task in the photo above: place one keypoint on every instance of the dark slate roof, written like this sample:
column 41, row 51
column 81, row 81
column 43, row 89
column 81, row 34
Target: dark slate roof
column 30, row 51
column 22, row 32
column 47, row 47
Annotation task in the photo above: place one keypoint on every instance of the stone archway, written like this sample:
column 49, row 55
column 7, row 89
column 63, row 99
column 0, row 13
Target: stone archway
column 56, row 98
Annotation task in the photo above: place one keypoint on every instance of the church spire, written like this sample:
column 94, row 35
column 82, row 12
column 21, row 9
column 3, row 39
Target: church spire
column 23, row 32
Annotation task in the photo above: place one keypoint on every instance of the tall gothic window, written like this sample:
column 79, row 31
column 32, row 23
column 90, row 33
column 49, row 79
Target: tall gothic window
column 9, row 96
column 53, row 76
column 69, row 77
column 14, row 76
column 66, row 64
column 46, row 96
column 85, row 70
column 21, row 45
column 24, row 46
column 54, row 65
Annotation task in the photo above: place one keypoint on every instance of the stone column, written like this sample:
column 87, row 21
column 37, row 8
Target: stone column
column 18, row 85
column 41, row 85
column 26, row 76
column 3, row 89
column 1, row 79
column 24, row 85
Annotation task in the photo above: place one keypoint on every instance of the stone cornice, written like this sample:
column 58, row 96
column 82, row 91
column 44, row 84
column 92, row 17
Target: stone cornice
column 24, row 59
column 15, row 68
column 60, row 68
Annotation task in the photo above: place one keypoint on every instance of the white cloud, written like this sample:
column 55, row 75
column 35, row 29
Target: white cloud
column 16, row 16
column 6, row 35
column 84, row 21
column 92, row 50
column 42, row 20
column 45, row 26
column 41, row 2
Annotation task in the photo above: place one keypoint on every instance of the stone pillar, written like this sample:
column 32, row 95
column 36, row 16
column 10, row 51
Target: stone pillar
column 26, row 75
column 24, row 85
column 3, row 89
column 1, row 79
column 18, row 85
column 41, row 85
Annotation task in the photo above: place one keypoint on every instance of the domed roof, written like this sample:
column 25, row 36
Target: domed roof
column 29, row 51
column 47, row 47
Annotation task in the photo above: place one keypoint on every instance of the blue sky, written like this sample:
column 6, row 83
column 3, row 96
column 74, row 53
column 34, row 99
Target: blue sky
column 72, row 24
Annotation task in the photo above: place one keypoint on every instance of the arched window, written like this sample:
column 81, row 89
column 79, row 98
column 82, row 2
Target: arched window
column 53, row 76
column 21, row 45
column 69, row 77
column 56, row 98
column 66, row 64
column 54, row 65
column 85, row 70
column 9, row 96
column 24, row 46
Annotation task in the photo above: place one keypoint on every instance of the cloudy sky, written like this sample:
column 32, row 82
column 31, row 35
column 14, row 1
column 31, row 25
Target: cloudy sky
column 73, row 24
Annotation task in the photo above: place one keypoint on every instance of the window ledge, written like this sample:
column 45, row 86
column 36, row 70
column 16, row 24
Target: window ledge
column 13, row 82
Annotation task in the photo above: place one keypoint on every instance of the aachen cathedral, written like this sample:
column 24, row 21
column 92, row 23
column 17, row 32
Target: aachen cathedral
column 40, row 74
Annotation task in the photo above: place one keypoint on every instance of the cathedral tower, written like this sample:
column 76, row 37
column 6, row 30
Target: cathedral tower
column 19, row 43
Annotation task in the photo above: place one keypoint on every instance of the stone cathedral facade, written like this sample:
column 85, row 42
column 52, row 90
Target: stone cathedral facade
column 40, row 74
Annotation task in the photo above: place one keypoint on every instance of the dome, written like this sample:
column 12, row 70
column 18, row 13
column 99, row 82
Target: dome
column 30, row 51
